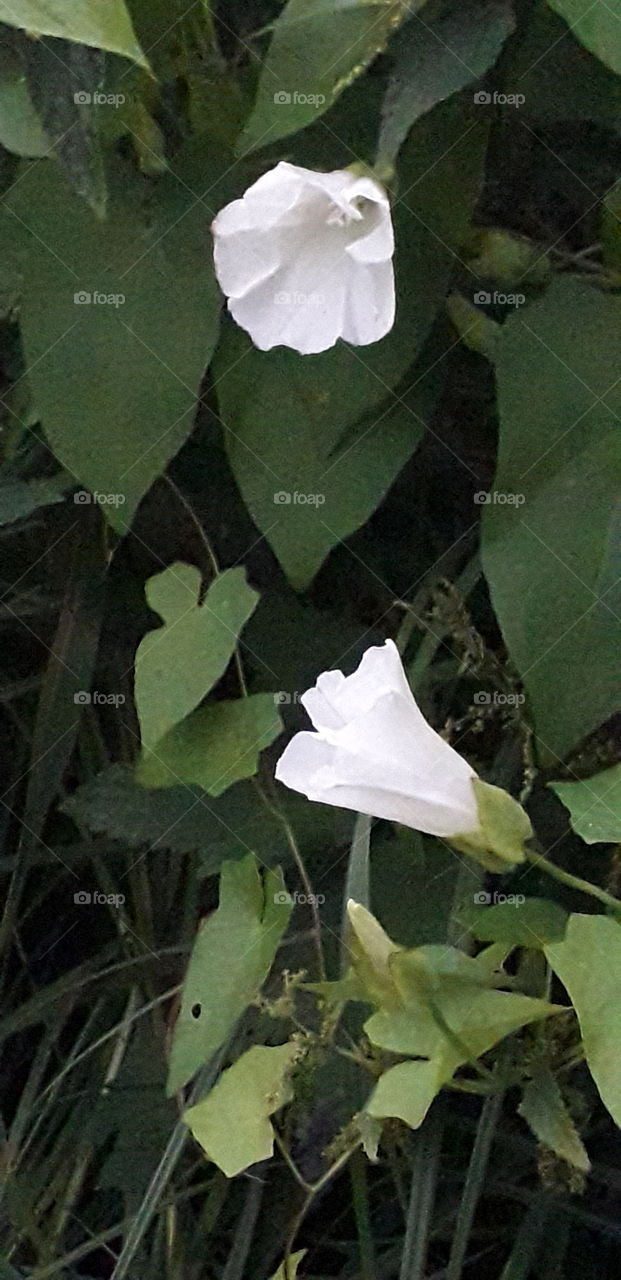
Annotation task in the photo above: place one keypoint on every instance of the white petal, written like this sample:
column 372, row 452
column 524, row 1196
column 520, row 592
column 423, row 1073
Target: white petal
column 380, row 671
column 323, row 773
column 369, row 303
column 244, row 260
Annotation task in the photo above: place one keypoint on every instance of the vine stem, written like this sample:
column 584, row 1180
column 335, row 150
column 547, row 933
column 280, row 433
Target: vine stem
column 574, row 882
column 474, row 1181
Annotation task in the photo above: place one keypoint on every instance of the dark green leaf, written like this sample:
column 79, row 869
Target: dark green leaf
column 550, row 543
column 316, row 50
column 597, row 26
column 104, row 24
column 115, row 378
column 437, row 58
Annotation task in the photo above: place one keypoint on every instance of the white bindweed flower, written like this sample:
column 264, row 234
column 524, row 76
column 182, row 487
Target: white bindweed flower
column 375, row 752
column 305, row 258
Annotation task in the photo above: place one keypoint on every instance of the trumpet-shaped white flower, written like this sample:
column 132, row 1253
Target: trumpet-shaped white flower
column 375, row 752
column 305, row 258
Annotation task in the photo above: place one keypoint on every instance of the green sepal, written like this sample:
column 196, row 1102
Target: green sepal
column 504, row 828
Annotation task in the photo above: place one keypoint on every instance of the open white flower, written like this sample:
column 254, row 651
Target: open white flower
column 374, row 751
column 305, row 258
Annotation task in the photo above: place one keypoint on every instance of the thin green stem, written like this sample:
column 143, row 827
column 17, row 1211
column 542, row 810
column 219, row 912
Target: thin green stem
column 428, row 1141
column 574, row 882
column 474, row 1181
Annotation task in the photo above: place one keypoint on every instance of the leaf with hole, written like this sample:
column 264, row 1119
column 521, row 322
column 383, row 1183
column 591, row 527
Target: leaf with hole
column 231, row 958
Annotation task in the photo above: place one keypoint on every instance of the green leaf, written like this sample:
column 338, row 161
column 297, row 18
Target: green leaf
column 530, row 923
column 406, row 1092
column 594, row 805
column 186, row 820
column 177, row 665
column 232, row 1122
column 611, row 227
column 316, row 50
column 215, row 746
column 596, row 26
column 437, row 58
column 231, row 958
column 588, row 963
column 62, row 78
column 559, row 79
column 20, row 127
column 543, row 1108
column 115, row 379
column 104, row 24
column 479, row 1017
column 287, row 415
column 292, row 1269
column 549, row 552
column 19, row 498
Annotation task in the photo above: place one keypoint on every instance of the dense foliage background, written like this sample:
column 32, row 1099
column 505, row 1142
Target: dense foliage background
column 455, row 485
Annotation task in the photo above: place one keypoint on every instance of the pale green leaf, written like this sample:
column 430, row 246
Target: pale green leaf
column 231, row 958
column 588, row 963
column 292, row 1269
column 407, row 1091
column 177, row 665
column 104, row 24
column 215, row 746
column 543, row 1108
column 232, row 1122
column 594, row 805
column 530, row 923
column 479, row 1018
